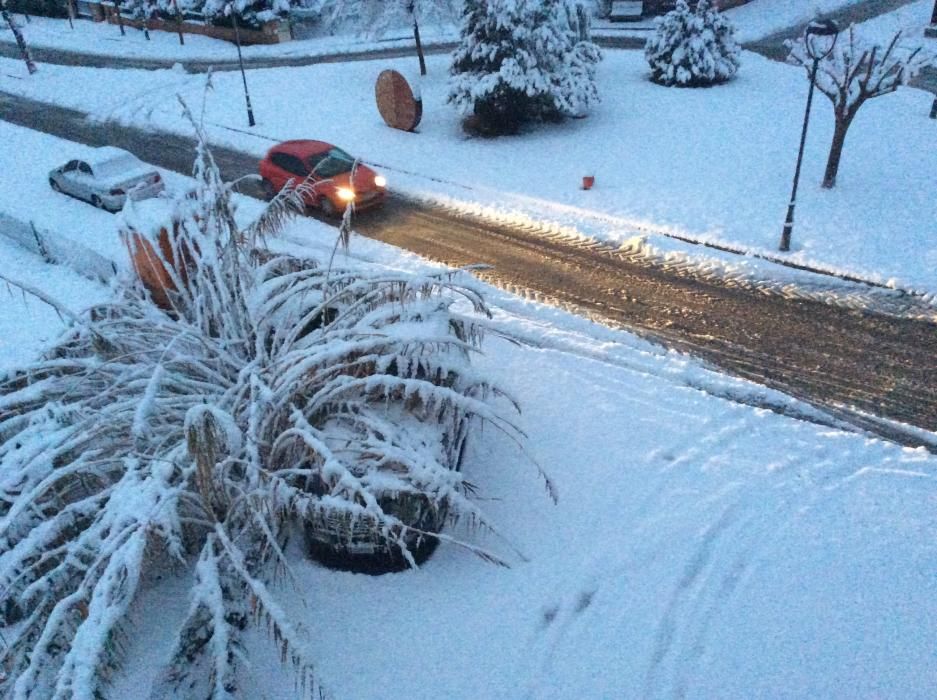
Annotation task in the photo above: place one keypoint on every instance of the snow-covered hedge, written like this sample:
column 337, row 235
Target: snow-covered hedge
column 523, row 60
column 692, row 48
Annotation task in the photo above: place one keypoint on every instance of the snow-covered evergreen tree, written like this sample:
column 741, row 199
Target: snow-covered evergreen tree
column 273, row 392
column 250, row 13
column 522, row 60
column 693, row 47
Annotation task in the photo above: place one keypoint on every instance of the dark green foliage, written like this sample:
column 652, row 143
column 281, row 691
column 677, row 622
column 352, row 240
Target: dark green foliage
column 522, row 61
column 42, row 8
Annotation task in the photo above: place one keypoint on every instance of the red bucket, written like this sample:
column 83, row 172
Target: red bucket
column 587, row 182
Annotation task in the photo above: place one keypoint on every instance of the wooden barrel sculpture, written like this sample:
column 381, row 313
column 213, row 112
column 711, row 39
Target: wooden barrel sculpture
column 396, row 102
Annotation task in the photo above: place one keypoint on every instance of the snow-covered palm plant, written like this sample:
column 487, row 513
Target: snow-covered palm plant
column 520, row 61
column 271, row 394
column 693, row 48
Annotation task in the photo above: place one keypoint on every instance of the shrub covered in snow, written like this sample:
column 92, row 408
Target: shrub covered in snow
column 692, row 48
column 47, row 8
column 520, row 61
column 273, row 391
column 251, row 13
column 140, row 9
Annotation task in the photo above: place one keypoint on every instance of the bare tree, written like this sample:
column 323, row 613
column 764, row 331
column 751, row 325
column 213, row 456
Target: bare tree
column 853, row 73
column 18, row 35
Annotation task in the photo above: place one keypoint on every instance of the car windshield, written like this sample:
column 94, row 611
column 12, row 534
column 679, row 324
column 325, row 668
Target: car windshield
column 117, row 166
column 330, row 163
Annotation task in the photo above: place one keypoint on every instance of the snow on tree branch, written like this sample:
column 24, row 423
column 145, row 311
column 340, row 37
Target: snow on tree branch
column 854, row 72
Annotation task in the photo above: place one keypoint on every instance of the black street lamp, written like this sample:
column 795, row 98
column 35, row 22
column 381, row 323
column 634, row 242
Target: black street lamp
column 931, row 31
column 819, row 40
column 237, row 40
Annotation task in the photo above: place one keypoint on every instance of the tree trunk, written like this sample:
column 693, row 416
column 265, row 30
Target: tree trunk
column 836, row 151
column 120, row 18
column 419, row 46
column 179, row 20
column 20, row 42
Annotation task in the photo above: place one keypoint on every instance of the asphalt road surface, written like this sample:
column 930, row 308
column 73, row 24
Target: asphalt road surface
column 856, row 365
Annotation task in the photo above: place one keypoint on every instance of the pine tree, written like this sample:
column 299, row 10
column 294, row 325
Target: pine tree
column 521, row 61
column 693, row 48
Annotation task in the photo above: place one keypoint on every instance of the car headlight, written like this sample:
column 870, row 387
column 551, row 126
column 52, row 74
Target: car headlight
column 380, row 181
column 345, row 194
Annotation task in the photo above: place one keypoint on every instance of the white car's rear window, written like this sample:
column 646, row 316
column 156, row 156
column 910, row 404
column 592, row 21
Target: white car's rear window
column 117, row 166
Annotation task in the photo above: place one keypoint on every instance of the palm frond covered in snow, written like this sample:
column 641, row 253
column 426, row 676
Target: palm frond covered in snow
column 269, row 392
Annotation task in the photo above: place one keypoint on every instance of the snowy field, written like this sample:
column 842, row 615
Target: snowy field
column 27, row 325
column 700, row 548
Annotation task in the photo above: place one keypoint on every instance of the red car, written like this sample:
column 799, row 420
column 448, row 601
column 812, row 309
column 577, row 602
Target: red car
column 327, row 171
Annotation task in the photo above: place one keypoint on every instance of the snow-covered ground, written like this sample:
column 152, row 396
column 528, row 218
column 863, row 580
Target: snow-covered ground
column 761, row 18
column 910, row 20
column 27, row 324
column 700, row 548
column 711, row 165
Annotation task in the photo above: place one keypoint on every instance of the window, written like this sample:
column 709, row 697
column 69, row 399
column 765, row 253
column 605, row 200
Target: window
column 331, row 163
column 71, row 166
column 290, row 164
column 85, row 169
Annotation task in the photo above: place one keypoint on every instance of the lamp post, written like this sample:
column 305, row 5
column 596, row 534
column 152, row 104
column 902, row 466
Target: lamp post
column 931, row 31
column 237, row 40
column 819, row 40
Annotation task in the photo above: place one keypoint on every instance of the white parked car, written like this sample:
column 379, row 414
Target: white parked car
column 107, row 178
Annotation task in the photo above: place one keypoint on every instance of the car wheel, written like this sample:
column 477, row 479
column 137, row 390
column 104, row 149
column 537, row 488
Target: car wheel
column 54, row 185
column 269, row 190
column 96, row 201
column 328, row 208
